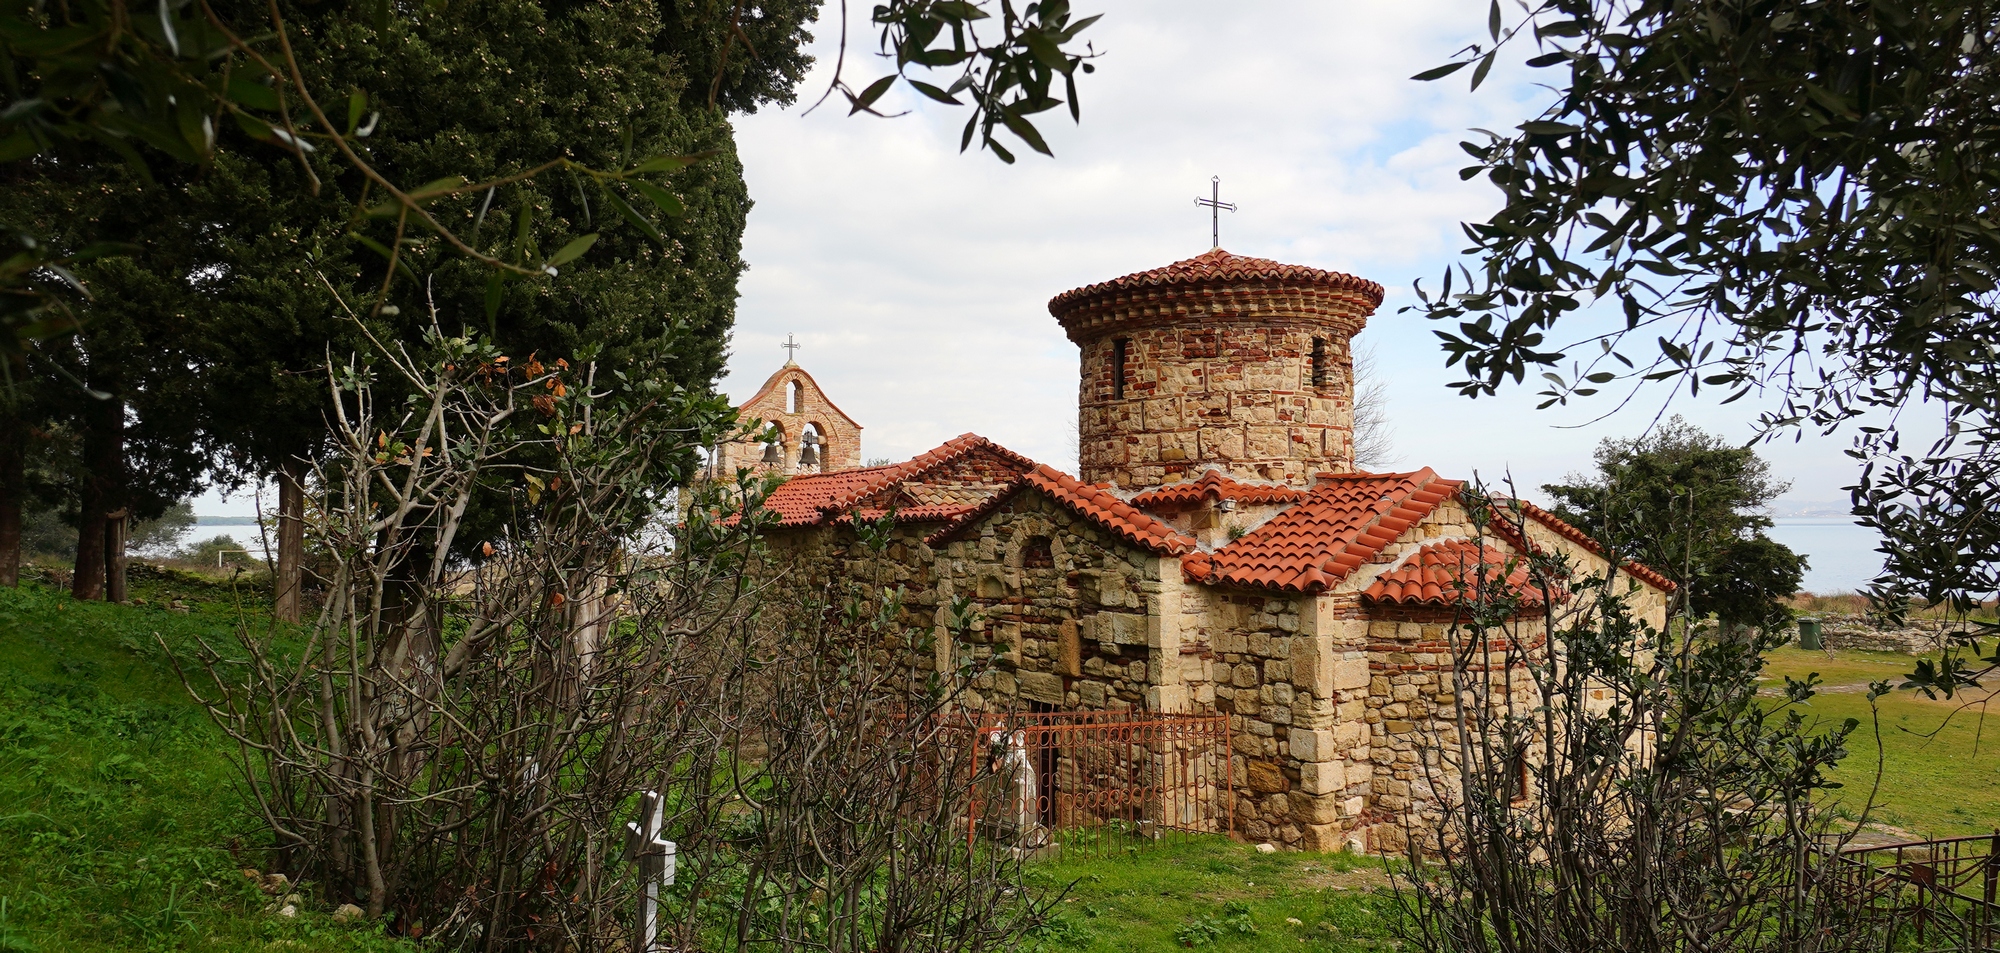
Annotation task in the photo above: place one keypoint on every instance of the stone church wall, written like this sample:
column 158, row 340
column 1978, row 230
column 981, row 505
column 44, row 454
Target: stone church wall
column 1340, row 713
column 1065, row 609
column 1237, row 396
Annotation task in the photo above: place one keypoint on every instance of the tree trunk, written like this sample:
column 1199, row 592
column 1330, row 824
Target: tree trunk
column 13, row 469
column 288, row 587
column 13, row 491
column 117, row 530
column 87, row 582
column 102, row 493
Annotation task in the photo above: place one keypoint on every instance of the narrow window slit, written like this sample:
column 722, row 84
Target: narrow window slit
column 1119, row 348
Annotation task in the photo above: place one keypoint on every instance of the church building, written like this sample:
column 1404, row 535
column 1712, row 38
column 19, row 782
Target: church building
column 1217, row 553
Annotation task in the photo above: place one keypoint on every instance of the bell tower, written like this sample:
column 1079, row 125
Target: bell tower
column 1242, row 364
column 812, row 435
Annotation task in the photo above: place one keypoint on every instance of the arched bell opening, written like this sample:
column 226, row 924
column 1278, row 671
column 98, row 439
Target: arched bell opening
column 812, row 448
column 777, row 448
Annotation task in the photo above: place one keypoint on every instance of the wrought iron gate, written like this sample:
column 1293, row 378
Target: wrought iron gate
column 1092, row 768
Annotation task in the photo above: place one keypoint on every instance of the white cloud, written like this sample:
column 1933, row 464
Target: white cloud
column 918, row 277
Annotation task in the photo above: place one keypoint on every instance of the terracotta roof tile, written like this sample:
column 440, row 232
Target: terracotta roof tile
column 1447, row 573
column 1091, row 502
column 1640, row 571
column 929, row 513
column 1218, row 267
column 1213, row 485
column 800, row 500
column 1342, row 523
column 821, row 497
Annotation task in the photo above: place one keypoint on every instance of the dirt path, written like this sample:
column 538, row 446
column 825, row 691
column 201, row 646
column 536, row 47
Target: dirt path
column 1367, row 878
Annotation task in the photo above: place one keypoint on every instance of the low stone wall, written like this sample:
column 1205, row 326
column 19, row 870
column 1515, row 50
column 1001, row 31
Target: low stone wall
column 1855, row 633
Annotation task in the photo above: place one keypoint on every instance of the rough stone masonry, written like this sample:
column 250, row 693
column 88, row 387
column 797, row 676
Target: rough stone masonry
column 1217, row 555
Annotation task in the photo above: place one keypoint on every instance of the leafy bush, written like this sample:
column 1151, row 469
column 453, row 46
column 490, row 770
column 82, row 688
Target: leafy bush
column 217, row 550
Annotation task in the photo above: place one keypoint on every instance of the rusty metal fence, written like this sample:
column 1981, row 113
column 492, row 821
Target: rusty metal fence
column 1147, row 772
column 1943, row 894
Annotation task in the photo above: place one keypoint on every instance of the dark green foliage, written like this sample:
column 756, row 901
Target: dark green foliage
column 1775, row 196
column 89, row 84
column 484, row 96
column 1009, row 77
column 248, row 274
column 166, row 531
column 1690, row 505
column 45, row 533
column 1749, row 579
column 219, row 550
column 763, row 63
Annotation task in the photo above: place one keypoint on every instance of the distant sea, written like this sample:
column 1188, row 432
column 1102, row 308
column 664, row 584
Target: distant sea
column 1840, row 556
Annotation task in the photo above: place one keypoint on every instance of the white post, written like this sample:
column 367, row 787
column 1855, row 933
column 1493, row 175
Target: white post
column 655, row 857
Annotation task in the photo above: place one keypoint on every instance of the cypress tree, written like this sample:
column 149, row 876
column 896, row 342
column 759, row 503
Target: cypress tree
column 247, row 268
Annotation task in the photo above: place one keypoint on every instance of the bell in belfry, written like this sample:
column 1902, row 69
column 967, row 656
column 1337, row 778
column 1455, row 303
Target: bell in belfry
column 809, row 451
column 772, row 455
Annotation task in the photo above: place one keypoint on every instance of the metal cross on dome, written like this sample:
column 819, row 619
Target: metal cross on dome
column 791, row 349
column 1216, row 206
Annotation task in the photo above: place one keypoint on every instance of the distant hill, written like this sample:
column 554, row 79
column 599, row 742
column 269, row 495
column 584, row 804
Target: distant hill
column 226, row 520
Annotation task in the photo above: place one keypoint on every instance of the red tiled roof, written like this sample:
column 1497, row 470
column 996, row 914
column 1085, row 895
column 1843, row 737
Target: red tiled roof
column 1213, row 485
column 929, row 513
column 1218, row 266
column 1448, row 572
column 1342, row 523
column 800, row 500
column 1563, row 529
column 819, row 497
column 1089, row 501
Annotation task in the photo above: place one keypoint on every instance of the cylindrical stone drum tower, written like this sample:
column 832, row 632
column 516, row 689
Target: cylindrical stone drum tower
column 1217, row 361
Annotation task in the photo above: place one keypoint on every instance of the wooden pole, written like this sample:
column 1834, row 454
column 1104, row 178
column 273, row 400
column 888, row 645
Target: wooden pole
column 288, row 585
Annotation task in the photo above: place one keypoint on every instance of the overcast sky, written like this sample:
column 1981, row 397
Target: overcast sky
column 918, row 278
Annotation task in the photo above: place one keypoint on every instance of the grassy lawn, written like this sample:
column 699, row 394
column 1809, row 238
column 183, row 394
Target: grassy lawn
column 1210, row 893
column 117, row 801
column 1941, row 777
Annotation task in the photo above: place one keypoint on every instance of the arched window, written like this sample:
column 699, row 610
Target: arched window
column 1037, row 553
column 795, row 394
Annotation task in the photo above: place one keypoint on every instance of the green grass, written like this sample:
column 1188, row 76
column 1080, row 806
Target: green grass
column 1210, row 893
column 118, row 803
column 1940, row 764
column 119, row 807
